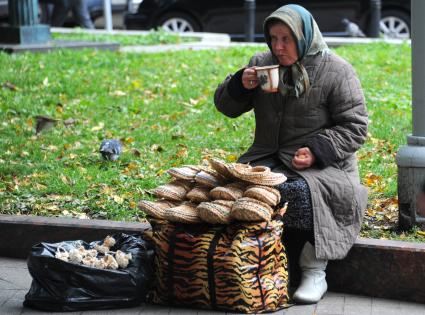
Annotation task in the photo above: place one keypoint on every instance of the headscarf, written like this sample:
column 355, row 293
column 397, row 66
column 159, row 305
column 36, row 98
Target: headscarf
column 293, row 80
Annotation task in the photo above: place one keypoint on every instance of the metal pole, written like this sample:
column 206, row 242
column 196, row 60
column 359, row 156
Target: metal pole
column 411, row 157
column 418, row 68
column 107, row 14
column 375, row 18
column 250, row 20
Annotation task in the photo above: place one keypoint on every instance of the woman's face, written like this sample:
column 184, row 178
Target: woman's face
column 283, row 44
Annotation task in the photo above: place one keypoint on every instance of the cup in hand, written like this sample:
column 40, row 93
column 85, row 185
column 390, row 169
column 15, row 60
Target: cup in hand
column 268, row 77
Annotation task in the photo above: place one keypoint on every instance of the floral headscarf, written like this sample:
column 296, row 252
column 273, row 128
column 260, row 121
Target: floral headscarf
column 309, row 42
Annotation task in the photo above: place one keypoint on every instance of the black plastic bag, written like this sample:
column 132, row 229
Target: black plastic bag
column 63, row 286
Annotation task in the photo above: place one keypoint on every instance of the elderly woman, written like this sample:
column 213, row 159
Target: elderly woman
column 309, row 130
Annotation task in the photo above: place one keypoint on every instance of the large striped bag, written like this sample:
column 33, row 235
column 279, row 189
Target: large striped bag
column 240, row 267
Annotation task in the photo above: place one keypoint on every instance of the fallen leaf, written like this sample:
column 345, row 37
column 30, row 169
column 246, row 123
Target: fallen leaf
column 136, row 152
column 156, row 148
column 98, row 127
column 69, row 122
column 118, row 93
column 65, row 179
column 118, row 199
column 10, row 86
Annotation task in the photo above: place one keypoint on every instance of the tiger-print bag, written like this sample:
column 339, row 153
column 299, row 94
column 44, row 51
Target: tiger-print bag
column 240, row 267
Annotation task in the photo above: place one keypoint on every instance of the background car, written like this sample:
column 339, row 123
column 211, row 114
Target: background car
column 95, row 8
column 228, row 16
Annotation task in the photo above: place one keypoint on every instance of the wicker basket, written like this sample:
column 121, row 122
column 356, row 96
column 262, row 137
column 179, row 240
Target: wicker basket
column 215, row 212
column 266, row 194
column 185, row 213
column 155, row 209
column 198, row 194
column 252, row 210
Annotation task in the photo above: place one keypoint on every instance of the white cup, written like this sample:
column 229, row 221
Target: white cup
column 268, row 77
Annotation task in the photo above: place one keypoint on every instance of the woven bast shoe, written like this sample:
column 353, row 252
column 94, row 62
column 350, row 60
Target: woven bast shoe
column 215, row 212
column 221, row 168
column 198, row 194
column 175, row 190
column 155, row 209
column 185, row 172
column 185, row 213
column 260, row 175
column 231, row 191
column 266, row 194
column 208, row 178
column 251, row 210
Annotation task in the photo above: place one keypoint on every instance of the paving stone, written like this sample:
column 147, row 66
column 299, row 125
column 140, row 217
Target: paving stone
column 13, row 263
column 330, row 305
column 133, row 310
column 299, row 310
column 11, row 307
column 15, row 278
column 6, row 295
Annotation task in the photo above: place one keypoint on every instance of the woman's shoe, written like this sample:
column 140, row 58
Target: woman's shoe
column 313, row 283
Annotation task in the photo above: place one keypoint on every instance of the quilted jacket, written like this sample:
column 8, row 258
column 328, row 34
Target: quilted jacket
column 329, row 117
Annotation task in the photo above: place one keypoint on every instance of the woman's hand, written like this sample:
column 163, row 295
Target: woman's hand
column 303, row 159
column 249, row 78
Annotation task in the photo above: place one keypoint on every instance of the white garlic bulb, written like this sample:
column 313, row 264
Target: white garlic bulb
column 122, row 258
column 75, row 256
column 91, row 253
column 89, row 261
column 110, row 261
column 100, row 264
column 109, row 241
column 62, row 255
column 101, row 248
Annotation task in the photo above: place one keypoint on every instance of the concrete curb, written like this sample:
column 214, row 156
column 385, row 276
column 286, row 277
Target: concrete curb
column 378, row 268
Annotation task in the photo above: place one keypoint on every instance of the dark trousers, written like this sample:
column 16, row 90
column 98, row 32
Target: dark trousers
column 294, row 241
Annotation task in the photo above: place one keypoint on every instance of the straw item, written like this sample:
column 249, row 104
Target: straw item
column 231, row 191
column 155, row 209
column 171, row 191
column 185, row 172
column 252, row 210
column 266, row 194
column 185, row 213
column 187, row 185
column 260, row 175
column 215, row 212
column 221, row 168
column 198, row 194
column 208, row 178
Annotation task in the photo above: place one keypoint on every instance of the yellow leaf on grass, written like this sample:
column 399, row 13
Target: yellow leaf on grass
column 98, row 127
column 372, row 179
column 64, row 179
column 231, row 158
column 118, row 199
column 421, row 233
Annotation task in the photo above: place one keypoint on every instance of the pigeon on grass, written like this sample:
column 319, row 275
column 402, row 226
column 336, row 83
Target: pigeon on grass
column 110, row 149
column 352, row 29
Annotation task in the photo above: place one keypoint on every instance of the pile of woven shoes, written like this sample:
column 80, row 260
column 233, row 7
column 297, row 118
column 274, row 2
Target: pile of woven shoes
column 218, row 194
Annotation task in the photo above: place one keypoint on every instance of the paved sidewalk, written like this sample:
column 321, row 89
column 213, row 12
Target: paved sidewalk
column 15, row 282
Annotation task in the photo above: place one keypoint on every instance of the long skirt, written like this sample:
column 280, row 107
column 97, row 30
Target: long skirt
column 298, row 219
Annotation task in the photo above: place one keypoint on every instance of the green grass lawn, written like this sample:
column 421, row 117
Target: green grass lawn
column 154, row 37
column 161, row 107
